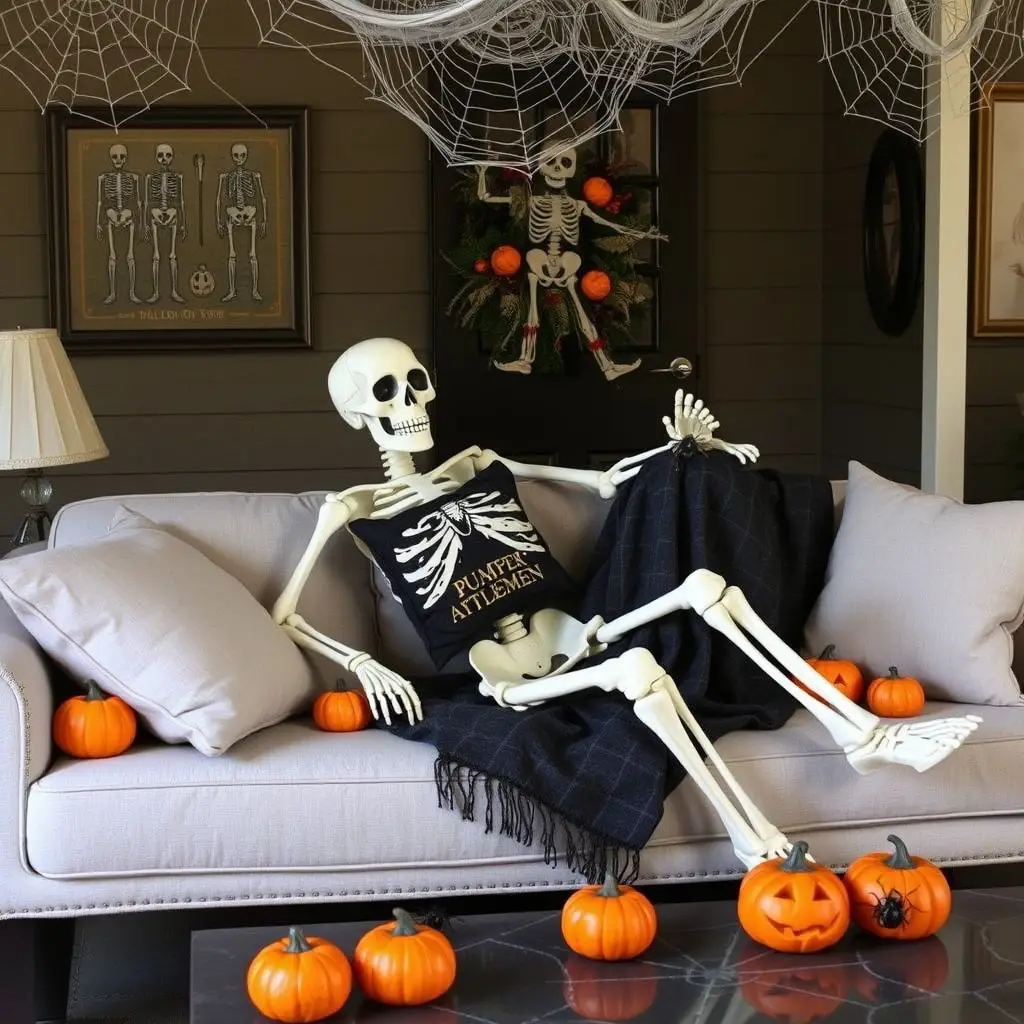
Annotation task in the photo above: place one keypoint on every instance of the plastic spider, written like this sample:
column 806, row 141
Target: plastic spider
column 893, row 909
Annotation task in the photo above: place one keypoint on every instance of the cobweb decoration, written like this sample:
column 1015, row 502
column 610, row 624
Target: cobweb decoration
column 884, row 54
column 101, row 54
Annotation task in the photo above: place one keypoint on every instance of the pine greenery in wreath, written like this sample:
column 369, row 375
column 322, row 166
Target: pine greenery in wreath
column 489, row 262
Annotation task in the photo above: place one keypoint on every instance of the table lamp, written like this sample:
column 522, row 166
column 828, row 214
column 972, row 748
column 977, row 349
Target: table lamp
column 44, row 420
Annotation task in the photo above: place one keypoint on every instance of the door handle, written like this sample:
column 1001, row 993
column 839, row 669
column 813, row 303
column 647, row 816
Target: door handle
column 680, row 367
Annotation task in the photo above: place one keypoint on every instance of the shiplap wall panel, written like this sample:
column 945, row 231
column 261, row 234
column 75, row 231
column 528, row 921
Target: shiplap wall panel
column 763, row 162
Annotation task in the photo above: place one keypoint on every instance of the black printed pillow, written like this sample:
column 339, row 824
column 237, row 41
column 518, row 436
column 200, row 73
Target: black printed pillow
column 461, row 562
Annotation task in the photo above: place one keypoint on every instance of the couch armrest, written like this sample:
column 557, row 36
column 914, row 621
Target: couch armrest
column 26, row 704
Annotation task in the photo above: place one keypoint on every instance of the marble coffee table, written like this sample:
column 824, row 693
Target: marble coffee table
column 514, row 968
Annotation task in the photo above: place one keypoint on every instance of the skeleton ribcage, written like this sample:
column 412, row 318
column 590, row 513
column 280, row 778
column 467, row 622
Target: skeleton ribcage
column 242, row 188
column 164, row 190
column 118, row 189
column 554, row 215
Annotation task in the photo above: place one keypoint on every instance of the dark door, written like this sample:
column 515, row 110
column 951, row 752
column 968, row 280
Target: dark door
column 580, row 418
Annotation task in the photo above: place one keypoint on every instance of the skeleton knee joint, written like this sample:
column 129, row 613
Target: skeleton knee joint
column 704, row 589
column 639, row 672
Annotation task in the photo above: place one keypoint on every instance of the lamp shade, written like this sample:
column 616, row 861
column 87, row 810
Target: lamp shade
column 44, row 417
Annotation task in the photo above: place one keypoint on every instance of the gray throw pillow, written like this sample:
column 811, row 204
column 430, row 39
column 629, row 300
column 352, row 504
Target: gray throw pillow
column 927, row 584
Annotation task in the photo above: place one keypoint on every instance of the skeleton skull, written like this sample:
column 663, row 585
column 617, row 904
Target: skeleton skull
column 239, row 153
column 164, row 154
column 118, row 155
column 557, row 170
column 380, row 384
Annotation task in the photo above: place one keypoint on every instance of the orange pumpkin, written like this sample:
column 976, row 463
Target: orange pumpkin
column 898, row 896
column 597, row 191
column 896, row 696
column 506, row 260
column 298, row 980
column 94, row 724
column 342, row 711
column 596, row 285
column 793, row 905
column 844, row 675
column 601, row 991
column 609, row 921
column 402, row 963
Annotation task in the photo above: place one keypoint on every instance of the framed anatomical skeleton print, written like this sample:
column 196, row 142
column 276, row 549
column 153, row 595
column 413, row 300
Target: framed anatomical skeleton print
column 184, row 228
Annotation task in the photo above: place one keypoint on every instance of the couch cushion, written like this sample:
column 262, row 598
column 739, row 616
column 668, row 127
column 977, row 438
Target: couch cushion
column 292, row 797
column 258, row 539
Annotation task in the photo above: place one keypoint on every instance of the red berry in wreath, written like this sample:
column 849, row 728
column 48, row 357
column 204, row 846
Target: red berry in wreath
column 596, row 285
column 506, row 260
column 480, row 266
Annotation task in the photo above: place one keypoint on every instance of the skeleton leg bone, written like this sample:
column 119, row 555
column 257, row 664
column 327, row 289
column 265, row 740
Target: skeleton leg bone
column 610, row 369
column 232, row 265
column 867, row 742
column 524, row 364
column 637, row 675
column 172, row 260
column 130, row 260
column 254, row 265
column 155, row 227
column 111, row 264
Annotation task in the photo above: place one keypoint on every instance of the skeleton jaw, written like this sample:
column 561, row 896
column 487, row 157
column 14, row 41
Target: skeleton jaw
column 410, row 434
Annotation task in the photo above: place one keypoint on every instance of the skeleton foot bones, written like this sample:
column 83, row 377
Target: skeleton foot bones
column 380, row 385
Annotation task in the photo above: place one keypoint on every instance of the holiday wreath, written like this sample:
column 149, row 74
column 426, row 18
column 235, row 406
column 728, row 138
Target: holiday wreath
column 537, row 265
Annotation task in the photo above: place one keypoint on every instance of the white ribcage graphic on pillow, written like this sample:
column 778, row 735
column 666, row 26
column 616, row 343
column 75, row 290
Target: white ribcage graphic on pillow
column 439, row 538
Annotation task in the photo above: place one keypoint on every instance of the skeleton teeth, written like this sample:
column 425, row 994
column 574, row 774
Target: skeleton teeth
column 406, row 427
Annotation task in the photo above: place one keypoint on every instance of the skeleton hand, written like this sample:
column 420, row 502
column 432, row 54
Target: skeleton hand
column 183, row 234
column 381, row 685
column 743, row 452
column 222, row 229
column 99, row 232
column 263, row 229
column 692, row 418
column 146, row 231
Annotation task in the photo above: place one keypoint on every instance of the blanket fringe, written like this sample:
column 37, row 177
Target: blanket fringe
column 521, row 816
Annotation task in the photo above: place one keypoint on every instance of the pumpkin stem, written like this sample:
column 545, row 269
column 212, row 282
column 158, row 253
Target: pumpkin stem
column 610, row 890
column 93, row 691
column 901, row 858
column 894, row 672
column 797, row 859
column 828, row 654
column 406, row 925
column 297, row 942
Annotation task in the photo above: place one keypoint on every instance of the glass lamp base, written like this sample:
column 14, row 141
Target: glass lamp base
column 36, row 491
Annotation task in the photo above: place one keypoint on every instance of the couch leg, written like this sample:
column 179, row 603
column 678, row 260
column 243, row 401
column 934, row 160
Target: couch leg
column 35, row 964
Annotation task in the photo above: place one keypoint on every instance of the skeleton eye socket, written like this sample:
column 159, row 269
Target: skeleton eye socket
column 385, row 388
column 566, row 162
column 418, row 379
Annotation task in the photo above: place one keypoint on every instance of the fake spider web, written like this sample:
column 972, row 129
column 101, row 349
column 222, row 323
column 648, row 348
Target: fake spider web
column 885, row 55
column 99, row 56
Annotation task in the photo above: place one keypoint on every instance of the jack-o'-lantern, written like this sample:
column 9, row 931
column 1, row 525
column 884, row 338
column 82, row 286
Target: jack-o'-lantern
column 793, row 905
column 844, row 675
column 599, row 990
column 202, row 281
column 597, row 191
column 596, row 285
column 506, row 260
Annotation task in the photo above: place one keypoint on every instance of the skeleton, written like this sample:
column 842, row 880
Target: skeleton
column 118, row 209
column 165, row 208
column 379, row 384
column 237, row 193
column 554, row 219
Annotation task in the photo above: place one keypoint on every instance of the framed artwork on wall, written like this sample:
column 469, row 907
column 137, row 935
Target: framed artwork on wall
column 893, row 232
column 997, row 295
column 185, row 228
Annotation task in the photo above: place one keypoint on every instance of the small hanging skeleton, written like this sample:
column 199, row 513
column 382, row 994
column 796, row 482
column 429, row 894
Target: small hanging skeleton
column 238, row 192
column 554, row 221
column 118, row 211
column 381, row 385
column 164, row 210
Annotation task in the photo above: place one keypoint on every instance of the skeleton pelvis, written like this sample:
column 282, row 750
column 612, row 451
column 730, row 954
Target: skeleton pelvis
column 119, row 218
column 553, row 270
column 241, row 215
column 165, row 218
column 555, row 643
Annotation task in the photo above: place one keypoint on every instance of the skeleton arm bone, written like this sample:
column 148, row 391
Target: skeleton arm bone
column 99, row 207
column 380, row 684
column 263, row 204
column 603, row 483
column 481, row 189
column 221, row 228
column 181, row 204
column 651, row 232
column 145, row 207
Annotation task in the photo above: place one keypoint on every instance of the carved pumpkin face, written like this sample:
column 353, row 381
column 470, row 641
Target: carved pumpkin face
column 794, row 906
column 202, row 281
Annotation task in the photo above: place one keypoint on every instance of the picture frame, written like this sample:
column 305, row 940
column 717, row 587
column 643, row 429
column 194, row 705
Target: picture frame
column 997, row 292
column 893, row 231
column 184, row 229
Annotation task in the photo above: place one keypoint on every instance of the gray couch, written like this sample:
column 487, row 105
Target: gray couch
column 293, row 815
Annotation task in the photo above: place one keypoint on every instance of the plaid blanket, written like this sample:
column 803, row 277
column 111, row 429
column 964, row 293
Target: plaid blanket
column 582, row 774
